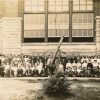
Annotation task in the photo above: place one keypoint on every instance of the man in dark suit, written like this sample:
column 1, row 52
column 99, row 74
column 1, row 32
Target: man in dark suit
column 2, row 71
column 90, row 71
column 20, row 72
column 35, row 72
column 10, row 72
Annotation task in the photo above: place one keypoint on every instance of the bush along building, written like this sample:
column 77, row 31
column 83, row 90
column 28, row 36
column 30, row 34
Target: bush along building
column 28, row 26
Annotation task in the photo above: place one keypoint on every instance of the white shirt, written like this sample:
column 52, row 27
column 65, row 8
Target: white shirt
column 68, row 65
column 95, row 65
column 84, row 65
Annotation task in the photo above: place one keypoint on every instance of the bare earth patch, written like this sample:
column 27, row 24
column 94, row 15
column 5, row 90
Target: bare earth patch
column 27, row 89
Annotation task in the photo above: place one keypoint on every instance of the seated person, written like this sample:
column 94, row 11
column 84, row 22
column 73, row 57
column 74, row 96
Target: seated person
column 98, row 59
column 28, row 72
column 95, row 68
column 2, row 71
column 10, row 72
column 74, row 66
column 70, row 72
column 68, row 65
column 60, row 67
column 89, row 71
column 75, row 72
column 35, row 72
column 43, row 73
column 7, row 67
column 20, row 72
column 84, row 65
column 79, row 70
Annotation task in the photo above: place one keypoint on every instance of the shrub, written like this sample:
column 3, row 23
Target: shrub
column 57, row 85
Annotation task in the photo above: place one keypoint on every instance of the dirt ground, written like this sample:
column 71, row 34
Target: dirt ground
column 28, row 89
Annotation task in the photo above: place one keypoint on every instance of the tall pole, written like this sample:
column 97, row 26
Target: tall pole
column 58, row 47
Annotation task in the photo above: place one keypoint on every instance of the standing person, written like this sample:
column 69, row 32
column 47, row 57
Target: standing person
column 40, row 66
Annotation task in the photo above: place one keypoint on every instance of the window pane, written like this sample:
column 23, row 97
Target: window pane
column 83, row 2
column 90, row 2
column 75, row 8
column 89, row 7
column 83, row 7
column 58, row 24
column 58, row 5
column 82, row 23
column 65, row 2
column 75, row 2
column 35, row 5
column 34, row 25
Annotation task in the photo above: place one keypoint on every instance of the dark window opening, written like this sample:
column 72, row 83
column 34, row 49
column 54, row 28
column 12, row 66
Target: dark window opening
column 82, row 39
column 33, row 40
column 57, row 39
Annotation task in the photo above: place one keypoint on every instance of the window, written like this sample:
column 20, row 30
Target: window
column 58, row 25
column 34, row 27
column 82, row 26
column 75, row 24
column 34, row 5
column 58, row 5
column 82, row 5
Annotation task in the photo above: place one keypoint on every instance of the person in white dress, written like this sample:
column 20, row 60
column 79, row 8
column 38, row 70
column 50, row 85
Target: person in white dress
column 40, row 66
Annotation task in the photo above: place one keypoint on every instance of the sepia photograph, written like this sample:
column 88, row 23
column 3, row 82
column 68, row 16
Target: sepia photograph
column 49, row 49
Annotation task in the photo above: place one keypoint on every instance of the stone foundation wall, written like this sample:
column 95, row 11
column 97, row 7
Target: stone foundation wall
column 11, row 35
column 98, row 34
column 83, row 49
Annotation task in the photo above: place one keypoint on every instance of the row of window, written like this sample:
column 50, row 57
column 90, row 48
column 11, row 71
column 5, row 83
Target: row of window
column 58, row 5
column 58, row 24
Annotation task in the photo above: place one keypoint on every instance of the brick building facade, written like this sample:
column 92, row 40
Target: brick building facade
column 28, row 26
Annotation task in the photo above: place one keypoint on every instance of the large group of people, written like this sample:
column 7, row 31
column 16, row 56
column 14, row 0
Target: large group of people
column 43, row 66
